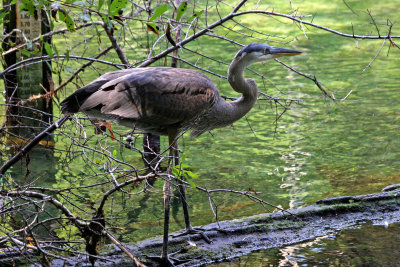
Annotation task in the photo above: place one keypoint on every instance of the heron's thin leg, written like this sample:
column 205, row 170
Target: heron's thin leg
column 167, row 200
column 182, row 193
column 167, row 196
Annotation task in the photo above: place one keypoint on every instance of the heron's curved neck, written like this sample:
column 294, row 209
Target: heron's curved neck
column 247, row 87
column 225, row 113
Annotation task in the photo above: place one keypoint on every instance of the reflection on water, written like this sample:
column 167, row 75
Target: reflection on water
column 369, row 245
column 294, row 162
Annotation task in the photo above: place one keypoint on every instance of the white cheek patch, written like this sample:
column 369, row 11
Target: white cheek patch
column 268, row 56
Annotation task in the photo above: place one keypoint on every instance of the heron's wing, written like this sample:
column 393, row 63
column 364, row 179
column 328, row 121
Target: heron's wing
column 73, row 103
column 163, row 96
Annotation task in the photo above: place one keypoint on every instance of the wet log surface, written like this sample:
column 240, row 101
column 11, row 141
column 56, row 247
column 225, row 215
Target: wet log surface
column 242, row 236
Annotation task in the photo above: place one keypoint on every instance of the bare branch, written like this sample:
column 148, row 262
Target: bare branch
column 294, row 18
column 50, row 199
column 49, row 34
column 36, row 60
column 234, row 14
column 124, row 249
column 115, row 45
column 83, row 67
column 311, row 77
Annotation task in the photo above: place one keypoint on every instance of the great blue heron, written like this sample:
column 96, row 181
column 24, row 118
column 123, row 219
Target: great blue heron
column 170, row 101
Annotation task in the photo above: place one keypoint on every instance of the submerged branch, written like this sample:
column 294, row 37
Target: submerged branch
column 31, row 145
column 47, row 198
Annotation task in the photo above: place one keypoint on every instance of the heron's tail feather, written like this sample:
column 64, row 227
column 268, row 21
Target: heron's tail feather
column 73, row 103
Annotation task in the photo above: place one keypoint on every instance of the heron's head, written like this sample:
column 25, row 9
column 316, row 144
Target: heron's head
column 256, row 52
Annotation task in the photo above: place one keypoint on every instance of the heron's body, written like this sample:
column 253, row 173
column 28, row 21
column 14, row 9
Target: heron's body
column 169, row 101
column 155, row 100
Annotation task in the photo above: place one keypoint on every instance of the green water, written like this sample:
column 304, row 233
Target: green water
column 317, row 149
column 368, row 245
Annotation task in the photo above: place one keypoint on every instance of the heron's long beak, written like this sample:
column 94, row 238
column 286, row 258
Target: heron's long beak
column 278, row 51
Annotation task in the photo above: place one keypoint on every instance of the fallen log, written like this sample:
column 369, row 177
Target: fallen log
column 243, row 236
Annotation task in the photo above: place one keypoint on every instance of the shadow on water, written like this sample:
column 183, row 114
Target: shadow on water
column 39, row 164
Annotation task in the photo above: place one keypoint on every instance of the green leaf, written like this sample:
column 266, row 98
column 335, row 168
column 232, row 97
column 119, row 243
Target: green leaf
column 109, row 23
column 63, row 16
column 195, row 15
column 100, row 5
column 48, row 49
column 151, row 26
column 21, row 6
column 176, row 172
column 193, row 185
column 184, row 166
column 69, row 23
column 181, row 10
column 191, row 174
column 98, row 162
column 114, row 153
column 2, row 15
column 67, row 54
column 26, row 53
column 49, row 66
column 159, row 11
column 116, row 5
column 55, row 49
column 27, row 5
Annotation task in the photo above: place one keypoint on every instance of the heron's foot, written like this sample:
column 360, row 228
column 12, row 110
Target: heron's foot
column 164, row 262
column 170, row 261
column 194, row 231
column 200, row 231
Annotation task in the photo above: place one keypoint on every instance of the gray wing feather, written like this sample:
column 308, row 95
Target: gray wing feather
column 153, row 95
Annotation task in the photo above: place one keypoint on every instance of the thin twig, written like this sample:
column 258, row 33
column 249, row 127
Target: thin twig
column 373, row 59
column 311, row 77
column 64, row 30
column 124, row 249
column 41, row 59
column 83, row 67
